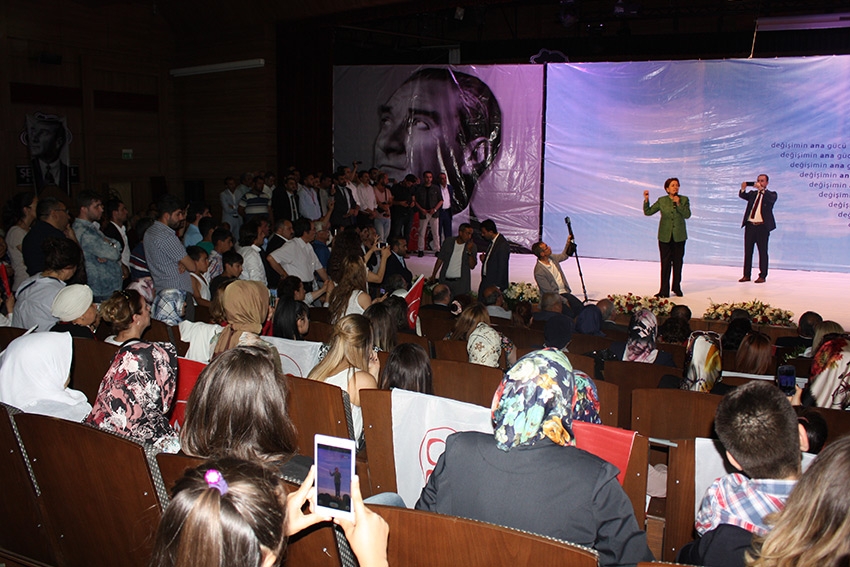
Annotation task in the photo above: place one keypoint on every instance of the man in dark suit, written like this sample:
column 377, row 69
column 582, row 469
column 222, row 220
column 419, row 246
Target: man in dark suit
column 494, row 262
column 284, row 201
column 345, row 207
column 757, row 224
column 441, row 299
column 395, row 261
column 47, row 138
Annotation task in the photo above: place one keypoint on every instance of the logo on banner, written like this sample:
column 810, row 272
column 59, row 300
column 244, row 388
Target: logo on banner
column 433, row 445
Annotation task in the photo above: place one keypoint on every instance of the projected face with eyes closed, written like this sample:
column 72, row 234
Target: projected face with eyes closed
column 440, row 120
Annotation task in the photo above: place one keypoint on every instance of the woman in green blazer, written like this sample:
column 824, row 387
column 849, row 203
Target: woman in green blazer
column 672, row 234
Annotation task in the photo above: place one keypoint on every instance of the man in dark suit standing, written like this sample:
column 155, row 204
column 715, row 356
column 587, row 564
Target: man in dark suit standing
column 494, row 262
column 395, row 261
column 757, row 224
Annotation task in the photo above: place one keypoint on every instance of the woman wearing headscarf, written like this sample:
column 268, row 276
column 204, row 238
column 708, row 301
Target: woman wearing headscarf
column 640, row 347
column 136, row 394
column 246, row 309
column 706, row 358
column 73, row 306
column 555, row 489
column 589, row 321
column 34, row 376
column 830, row 382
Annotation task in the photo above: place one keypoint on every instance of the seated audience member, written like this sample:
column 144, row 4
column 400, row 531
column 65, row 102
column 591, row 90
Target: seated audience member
column 222, row 241
column 495, row 302
column 351, row 363
column 34, row 376
column 550, row 305
column 441, row 299
column 393, row 284
column 738, row 328
column 754, row 355
column 169, row 306
column 200, row 285
column 291, row 319
column 73, row 307
column 823, row 329
column 398, row 307
column 813, row 529
column 35, row 297
column 703, row 362
column 206, row 226
column 251, row 237
column 232, row 269
column 351, row 295
column 805, row 333
column 138, row 261
column 558, row 332
column 292, row 287
column 606, row 306
column 589, row 321
column 238, row 408
column 830, row 381
column 683, row 313
column 238, row 513
column 816, row 429
column 674, row 331
column 484, row 344
column 408, row 368
column 384, row 322
column 202, row 336
column 246, row 309
column 128, row 313
column 556, row 489
column 136, row 394
column 761, row 435
column 640, row 347
column 521, row 315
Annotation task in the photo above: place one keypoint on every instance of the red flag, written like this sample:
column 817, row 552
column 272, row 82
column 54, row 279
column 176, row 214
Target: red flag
column 414, row 300
column 4, row 278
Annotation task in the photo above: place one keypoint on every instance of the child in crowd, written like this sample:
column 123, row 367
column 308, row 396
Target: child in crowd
column 222, row 241
column 206, row 226
column 232, row 269
column 200, row 285
column 762, row 437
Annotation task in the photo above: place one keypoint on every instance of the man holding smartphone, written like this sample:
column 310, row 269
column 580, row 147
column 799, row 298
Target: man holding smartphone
column 757, row 224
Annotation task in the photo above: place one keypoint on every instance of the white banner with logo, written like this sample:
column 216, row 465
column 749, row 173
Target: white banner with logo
column 421, row 424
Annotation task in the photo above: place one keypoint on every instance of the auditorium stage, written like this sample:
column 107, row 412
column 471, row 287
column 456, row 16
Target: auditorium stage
column 797, row 291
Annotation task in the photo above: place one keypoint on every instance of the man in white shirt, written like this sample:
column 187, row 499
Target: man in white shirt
column 455, row 261
column 251, row 237
column 446, row 210
column 365, row 196
column 297, row 258
column 230, row 198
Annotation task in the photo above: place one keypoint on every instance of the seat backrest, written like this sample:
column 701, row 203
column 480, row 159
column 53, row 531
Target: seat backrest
column 521, row 337
column 173, row 466
column 322, row 314
column 98, row 491
column 416, row 339
column 630, row 376
column 187, row 374
column 316, row 407
column 624, row 449
column 581, row 344
column 677, row 351
column 679, row 511
column 609, row 408
column 320, row 331
column 451, row 350
column 837, row 423
column 436, row 328
column 23, row 529
column 465, row 382
column 9, row 334
column 673, row 414
column 471, row 543
column 157, row 332
column 584, row 363
column 377, row 407
column 91, row 362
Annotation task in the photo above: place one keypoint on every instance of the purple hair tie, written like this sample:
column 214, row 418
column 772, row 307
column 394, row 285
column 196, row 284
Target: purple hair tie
column 216, row 480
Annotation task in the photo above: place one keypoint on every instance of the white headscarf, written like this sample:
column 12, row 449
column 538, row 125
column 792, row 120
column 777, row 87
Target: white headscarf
column 33, row 375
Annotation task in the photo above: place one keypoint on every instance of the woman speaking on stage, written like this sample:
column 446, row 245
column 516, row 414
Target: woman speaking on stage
column 672, row 234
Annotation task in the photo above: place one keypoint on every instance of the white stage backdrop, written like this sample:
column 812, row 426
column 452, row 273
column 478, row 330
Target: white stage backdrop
column 616, row 129
column 402, row 128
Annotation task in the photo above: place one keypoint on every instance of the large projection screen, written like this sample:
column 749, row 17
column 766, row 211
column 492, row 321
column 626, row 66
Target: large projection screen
column 616, row 129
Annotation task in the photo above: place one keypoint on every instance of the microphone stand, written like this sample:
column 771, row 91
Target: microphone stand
column 578, row 263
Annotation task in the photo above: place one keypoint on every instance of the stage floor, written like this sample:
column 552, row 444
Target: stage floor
column 797, row 291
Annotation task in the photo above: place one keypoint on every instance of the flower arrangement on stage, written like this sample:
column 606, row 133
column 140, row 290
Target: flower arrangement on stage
column 760, row 313
column 629, row 303
column 521, row 291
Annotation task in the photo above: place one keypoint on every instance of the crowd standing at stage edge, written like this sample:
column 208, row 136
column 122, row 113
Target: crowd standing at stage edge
column 340, row 240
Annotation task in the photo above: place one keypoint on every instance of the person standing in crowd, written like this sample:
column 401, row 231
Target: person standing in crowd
column 255, row 203
column 18, row 216
column 102, row 254
column 758, row 223
column 167, row 260
column 672, row 234
column 456, row 260
column 383, row 204
column 115, row 227
column 446, row 191
column 53, row 221
column 230, row 197
column 494, row 262
column 196, row 211
column 401, row 212
column 250, row 239
column 428, row 202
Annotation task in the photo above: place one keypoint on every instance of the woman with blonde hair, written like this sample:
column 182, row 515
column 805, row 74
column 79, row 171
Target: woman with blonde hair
column 484, row 344
column 128, row 313
column 813, row 529
column 351, row 363
column 351, row 294
column 823, row 329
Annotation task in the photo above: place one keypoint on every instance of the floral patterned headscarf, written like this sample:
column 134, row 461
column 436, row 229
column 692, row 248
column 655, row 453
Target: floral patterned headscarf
column 830, row 382
column 643, row 331
column 705, row 364
column 539, row 397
